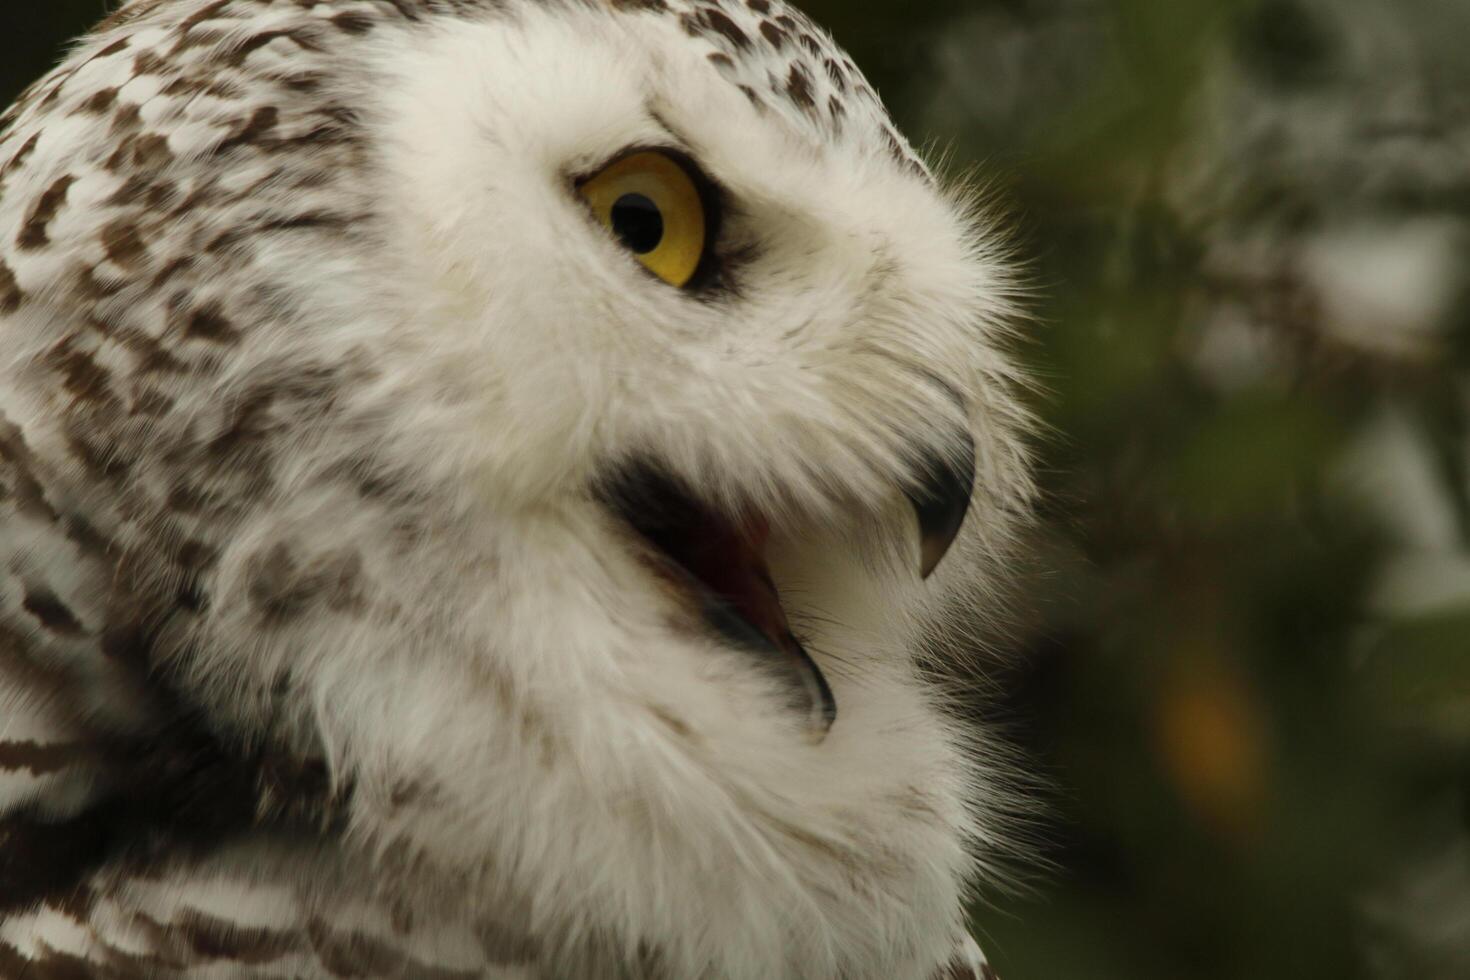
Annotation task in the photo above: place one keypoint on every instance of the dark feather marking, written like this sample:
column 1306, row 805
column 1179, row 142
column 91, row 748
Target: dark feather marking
column 215, row 939
column 281, row 588
column 249, row 424
column 39, row 759
column 152, row 356
column 303, row 82
column 34, row 233
column 197, row 556
column 144, row 190
column 51, row 612
column 300, row 38
column 99, row 102
column 123, row 243
column 26, row 149
column 254, row 130
column 127, row 14
column 185, row 498
column 149, row 63
column 121, row 44
column 10, row 293
column 80, row 373
column 209, row 323
column 203, row 15
column 54, row 94
column 172, row 268
column 838, row 76
column 87, row 538
column 799, row 87
column 125, row 640
column 296, row 222
column 144, row 151
column 350, row 22
column 103, row 463
column 77, row 903
column 127, row 118
column 727, row 28
column 30, row 495
column 89, row 286
column 405, row 9
column 369, row 482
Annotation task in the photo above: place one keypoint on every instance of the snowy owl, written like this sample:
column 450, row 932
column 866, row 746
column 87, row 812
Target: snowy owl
column 490, row 488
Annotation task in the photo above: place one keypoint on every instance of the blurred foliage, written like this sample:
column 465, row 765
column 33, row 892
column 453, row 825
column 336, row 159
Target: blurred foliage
column 1242, row 651
column 1247, row 643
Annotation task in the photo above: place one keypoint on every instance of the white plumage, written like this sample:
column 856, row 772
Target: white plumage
column 360, row 605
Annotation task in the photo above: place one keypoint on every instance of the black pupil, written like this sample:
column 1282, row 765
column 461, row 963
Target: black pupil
column 637, row 222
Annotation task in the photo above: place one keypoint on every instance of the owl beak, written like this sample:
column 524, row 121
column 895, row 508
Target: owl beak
column 941, row 499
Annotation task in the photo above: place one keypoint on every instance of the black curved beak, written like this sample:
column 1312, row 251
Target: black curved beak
column 941, row 499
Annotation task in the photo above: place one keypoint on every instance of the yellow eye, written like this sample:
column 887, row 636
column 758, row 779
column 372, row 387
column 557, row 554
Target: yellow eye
column 653, row 205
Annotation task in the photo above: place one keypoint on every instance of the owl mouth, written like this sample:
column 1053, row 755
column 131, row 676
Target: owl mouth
column 718, row 562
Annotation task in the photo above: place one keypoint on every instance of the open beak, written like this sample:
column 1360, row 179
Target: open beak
column 719, row 560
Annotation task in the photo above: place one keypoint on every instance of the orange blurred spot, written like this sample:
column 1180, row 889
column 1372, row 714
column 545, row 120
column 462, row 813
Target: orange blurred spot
column 1212, row 745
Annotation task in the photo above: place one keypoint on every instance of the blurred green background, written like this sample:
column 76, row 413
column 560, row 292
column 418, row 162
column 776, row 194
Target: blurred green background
column 1242, row 654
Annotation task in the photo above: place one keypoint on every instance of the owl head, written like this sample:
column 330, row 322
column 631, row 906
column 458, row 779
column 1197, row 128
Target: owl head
column 581, row 425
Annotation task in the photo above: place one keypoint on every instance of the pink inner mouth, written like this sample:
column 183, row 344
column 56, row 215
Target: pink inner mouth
column 730, row 560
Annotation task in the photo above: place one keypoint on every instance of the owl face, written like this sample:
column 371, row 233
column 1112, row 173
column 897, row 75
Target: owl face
column 625, row 438
column 766, row 382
